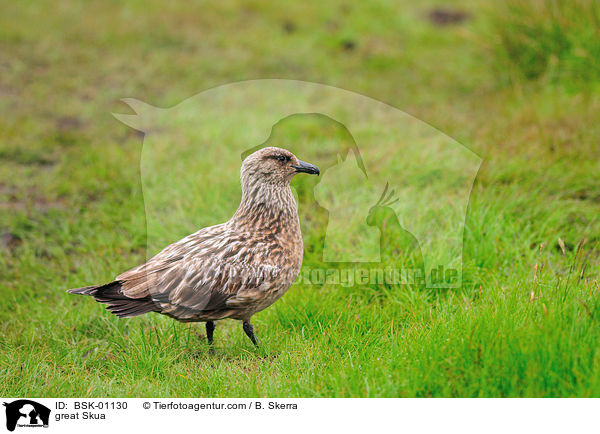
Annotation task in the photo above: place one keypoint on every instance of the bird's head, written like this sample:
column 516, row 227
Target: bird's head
column 274, row 166
column 382, row 210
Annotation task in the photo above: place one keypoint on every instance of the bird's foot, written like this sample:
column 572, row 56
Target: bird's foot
column 249, row 329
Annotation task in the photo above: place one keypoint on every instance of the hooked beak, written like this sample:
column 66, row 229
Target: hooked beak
column 306, row 168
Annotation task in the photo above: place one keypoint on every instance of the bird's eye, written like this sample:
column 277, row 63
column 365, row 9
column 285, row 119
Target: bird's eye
column 283, row 158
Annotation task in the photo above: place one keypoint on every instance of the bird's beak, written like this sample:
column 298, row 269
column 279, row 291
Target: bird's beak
column 306, row 168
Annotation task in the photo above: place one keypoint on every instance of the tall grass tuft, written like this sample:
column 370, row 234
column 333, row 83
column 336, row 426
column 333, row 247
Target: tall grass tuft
column 551, row 39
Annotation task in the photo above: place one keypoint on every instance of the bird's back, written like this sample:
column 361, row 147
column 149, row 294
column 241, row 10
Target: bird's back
column 218, row 272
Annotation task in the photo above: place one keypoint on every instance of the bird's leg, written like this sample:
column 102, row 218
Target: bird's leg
column 250, row 332
column 210, row 328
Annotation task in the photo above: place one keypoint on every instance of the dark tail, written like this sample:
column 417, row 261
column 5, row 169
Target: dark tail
column 117, row 303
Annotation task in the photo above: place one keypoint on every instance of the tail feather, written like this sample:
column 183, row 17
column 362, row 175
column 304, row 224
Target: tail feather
column 117, row 302
column 83, row 291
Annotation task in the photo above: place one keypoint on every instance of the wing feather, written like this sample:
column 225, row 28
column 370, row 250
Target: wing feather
column 203, row 273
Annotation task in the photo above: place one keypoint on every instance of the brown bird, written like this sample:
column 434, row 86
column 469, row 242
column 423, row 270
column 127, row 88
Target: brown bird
column 231, row 270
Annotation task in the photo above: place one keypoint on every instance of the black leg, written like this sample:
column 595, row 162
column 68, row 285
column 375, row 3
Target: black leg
column 210, row 328
column 250, row 332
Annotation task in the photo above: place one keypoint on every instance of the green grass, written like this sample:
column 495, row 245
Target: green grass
column 525, row 323
column 556, row 40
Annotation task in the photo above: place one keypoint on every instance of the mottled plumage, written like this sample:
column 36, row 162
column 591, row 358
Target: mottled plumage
column 231, row 270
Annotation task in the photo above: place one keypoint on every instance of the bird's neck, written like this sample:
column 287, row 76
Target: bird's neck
column 267, row 207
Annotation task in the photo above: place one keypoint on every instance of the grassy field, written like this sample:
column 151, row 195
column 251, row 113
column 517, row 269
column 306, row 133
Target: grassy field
column 518, row 85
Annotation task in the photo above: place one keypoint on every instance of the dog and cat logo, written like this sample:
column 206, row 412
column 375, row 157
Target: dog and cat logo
column 26, row 413
column 393, row 191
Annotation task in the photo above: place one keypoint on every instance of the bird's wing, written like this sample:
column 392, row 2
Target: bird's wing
column 202, row 272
